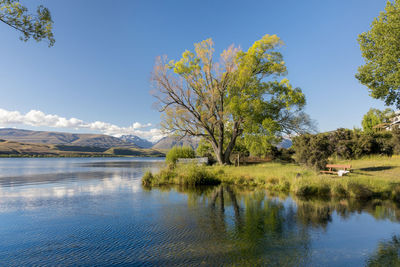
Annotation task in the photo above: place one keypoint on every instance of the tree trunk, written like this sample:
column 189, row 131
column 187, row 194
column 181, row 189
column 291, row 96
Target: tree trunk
column 218, row 152
column 223, row 157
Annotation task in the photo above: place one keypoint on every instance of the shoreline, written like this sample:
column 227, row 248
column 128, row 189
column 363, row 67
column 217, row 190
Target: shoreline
column 75, row 156
column 371, row 177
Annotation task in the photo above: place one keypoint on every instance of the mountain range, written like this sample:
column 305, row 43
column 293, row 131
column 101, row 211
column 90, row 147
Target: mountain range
column 93, row 140
column 169, row 141
column 60, row 138
column 136, row 140
column 101, row 142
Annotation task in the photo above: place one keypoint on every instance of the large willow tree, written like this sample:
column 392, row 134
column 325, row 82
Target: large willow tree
column 239, row 96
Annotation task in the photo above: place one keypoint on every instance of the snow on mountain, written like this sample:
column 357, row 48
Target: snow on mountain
column 136, row 140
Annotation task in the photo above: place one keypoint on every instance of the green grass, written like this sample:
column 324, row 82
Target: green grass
column 371, row 177
column 188, row 174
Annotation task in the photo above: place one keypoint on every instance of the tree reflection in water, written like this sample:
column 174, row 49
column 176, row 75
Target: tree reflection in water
column 387, row 254
column 249, row 227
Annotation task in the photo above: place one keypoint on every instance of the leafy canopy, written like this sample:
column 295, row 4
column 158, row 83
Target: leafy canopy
column 380, row 47
column 37, row 26
column 375, row 117
column 238, row 96
column 176, row 153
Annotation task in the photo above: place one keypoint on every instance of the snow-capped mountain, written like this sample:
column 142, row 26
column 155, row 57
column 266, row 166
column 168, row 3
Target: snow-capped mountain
column 285, row 143
column 136, row 140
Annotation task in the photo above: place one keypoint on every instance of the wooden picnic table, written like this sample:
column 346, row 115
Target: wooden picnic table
column 331, row 167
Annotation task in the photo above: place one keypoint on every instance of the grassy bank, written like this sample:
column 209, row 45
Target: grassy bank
column 372, row 177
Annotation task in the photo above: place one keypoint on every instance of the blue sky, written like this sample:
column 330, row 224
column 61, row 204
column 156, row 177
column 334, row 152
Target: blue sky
column 99, row 69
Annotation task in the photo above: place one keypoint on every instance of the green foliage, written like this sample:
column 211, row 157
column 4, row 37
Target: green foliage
column 282, row 154
column 179, row 152
column 193, row 175
column 147, row 178
column 380, row 47
column 37, row 26
column 396, row 141
column 188, row 175
column 359, row 191
column 374, row 117
column 387, row 254
column 313, row 190
column 239, row 97
column 372, row 177
column 312, row 150
column 204, row 149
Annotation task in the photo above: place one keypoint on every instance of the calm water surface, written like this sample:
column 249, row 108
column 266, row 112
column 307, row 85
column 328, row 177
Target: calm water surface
column 94, row 212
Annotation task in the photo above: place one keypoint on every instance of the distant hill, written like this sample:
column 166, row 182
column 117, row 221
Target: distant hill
column 136, row 140
column 18, row 149
column 168, row 142
column 60, row 138
column 142, row 152
column 12, row 148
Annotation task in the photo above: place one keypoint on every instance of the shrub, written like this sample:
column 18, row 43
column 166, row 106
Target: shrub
column 197, row 175
column 280, row 154
column 179, row 152
column 339, row 191
column 396, row 141
column 204, row 149
column 147, row 178
column 359, row 191
column 312, row 150
column 342, row 143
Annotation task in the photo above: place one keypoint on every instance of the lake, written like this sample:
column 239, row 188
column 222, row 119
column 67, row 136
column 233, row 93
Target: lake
column 95, row 212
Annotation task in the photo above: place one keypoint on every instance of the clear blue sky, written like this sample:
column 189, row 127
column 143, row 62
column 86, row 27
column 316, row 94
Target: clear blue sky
column 100, row 66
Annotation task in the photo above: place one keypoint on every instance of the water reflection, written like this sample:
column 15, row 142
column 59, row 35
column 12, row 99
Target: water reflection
column 319, row 212
column 272, row 231
column 73, row 179
column 242, row 227
column 387, row 253
column 95, row 212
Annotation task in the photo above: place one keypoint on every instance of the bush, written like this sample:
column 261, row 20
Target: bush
column 204, row 149
column 179, row 152
column 396, row 141
column 359, row 191
column 312, row 150
column 193, row 175
column 147, row 178
column 187, row 175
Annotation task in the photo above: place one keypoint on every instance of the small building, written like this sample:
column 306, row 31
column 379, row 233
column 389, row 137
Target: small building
column 394, row 123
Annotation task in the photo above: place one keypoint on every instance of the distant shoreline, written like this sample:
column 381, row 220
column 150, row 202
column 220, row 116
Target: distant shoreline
column 78, row 156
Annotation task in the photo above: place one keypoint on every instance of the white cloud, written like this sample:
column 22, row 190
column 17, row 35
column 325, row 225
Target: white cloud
column 40, row 119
